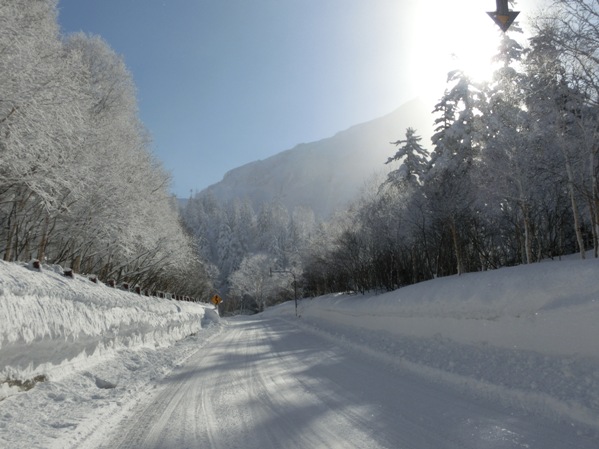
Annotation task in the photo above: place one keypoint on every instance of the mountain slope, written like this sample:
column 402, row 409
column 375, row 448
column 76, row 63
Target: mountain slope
column 327, row 174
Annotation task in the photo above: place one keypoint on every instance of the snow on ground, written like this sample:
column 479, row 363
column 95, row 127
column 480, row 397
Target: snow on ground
column 88, row 348
column 527, row 336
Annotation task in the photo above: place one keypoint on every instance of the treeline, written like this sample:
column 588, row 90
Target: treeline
column 512, row 177
column 78, row 184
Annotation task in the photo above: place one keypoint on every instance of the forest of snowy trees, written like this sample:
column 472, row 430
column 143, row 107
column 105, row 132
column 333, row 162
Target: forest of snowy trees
column 78, row 184
column 510, row 178
column 243, row 246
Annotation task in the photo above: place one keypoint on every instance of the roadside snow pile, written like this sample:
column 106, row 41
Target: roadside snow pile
column 52, row 326
column 527, row 336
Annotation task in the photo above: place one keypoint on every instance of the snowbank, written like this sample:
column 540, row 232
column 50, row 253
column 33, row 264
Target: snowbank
column 526, row 335
column 51, row 325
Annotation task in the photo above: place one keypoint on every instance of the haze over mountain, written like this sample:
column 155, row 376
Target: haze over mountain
column 327, row 174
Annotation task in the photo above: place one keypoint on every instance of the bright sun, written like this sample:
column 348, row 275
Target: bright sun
column 451, row 35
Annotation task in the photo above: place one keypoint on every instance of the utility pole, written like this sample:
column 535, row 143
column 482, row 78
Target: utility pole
column 294, row 284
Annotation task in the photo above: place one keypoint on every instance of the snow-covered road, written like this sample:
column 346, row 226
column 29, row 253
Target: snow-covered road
column 268, row 383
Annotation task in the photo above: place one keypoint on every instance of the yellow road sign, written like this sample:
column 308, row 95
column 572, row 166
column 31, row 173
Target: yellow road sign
column 216, row 300
column 503, row 16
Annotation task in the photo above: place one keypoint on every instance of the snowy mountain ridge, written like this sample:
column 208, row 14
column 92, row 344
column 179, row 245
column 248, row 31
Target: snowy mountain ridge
column 324, row 175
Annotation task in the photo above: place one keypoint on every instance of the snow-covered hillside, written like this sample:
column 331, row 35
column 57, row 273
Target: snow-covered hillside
column 325, row 175
column 523, row 336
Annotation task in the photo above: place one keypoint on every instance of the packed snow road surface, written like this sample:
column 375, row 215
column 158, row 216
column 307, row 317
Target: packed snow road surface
column 266, row 383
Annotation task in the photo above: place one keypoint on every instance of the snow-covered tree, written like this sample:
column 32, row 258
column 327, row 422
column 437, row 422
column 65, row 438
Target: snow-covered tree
column 572, row 30
column 78, row 184
column 448, row 184
column 40, row 119
column 508, row 165
column 413, row 159
column 556, row 110
column 254, row 280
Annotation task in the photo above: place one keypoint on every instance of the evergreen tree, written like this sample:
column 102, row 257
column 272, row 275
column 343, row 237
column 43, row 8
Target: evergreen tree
column 449, row 187
column 413, row 159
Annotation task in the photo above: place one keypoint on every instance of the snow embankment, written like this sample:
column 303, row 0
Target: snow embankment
column 51, row 325
column 527, row 335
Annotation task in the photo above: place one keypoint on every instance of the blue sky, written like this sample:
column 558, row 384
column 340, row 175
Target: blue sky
column 225, row 82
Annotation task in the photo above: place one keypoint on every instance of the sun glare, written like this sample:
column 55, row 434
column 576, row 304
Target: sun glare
column 453, row 35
